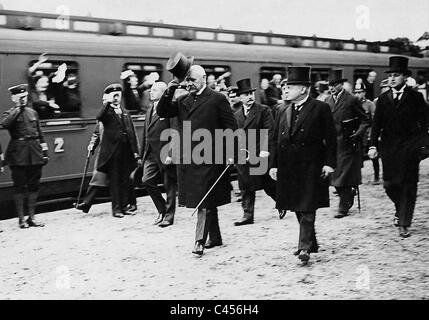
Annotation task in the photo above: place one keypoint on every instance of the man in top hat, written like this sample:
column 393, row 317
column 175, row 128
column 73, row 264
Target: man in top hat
column 25, row 155
column 400, row 121
column 118, row 148
column 202, row 108
column 253, row 117
column 369, row 107
column 303, row 156
column 154, row 165
column 351, row 122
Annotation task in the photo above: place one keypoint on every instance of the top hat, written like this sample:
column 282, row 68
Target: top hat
column 298, row 75
column 244, row 86
column 18, row 89
column 336, row 76
column 179, row 65
column 398, row 64
column 112, row 88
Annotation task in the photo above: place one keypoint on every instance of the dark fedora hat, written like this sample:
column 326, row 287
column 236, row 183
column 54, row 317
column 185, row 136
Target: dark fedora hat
column 298, row 75
column 136, row 176
column 179, row 65
column 398, row 64
column 336, row 76
column 244, row 85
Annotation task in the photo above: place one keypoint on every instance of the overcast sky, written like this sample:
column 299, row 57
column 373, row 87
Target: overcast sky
column 361, row 19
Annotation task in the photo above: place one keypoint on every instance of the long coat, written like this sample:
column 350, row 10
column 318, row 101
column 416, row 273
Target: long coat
column 259, row 117
column 399, row 126
column 299, row 156
column 114, row 128
column 209, row 111
column 349, row 155
column 24, row 148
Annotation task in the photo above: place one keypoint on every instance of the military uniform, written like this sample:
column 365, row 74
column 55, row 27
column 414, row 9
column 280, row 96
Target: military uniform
column 25, row 155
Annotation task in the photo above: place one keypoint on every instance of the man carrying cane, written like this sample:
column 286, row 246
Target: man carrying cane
column 25, row 155
column 202, row 108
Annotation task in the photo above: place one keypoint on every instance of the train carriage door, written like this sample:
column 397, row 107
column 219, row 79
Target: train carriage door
column 137, row 80
column 218, row 77
column 54, row 88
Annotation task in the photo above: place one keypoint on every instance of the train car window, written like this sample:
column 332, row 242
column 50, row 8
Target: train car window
column 269, row 72
column 137, row 80
column 54, row 89
column 218, row 77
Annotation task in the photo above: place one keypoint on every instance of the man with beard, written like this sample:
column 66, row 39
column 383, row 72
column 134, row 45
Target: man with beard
column 205, row 110
column 253, row 117
column 303, row 155
column 351, row 122
column 401, row 123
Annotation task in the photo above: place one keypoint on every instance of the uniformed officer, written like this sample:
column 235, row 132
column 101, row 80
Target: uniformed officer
column 26, row 153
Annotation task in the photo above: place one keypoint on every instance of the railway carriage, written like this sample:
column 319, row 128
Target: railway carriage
column 98, row 50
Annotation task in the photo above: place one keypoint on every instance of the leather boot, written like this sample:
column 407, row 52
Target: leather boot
column 32, row 198
column 19, row 204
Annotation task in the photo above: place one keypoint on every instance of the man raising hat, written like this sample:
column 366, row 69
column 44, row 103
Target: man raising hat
column 351, row 122
column 25, row 155
column 118, row 149
column 303, row 155
column 400, row 121
column 253, row 117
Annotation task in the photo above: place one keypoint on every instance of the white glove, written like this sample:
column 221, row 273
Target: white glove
column 273, row 173
column 125, row 74
column 168, row 160
column 264, row 154
column 372, row 153
column 326, row 171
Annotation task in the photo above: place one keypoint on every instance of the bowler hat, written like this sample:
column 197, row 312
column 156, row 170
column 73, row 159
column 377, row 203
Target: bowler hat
column 244, row 86
column 298, row 75
column 336, row 76
column 112, row 88
column 20, row 88
column 179, row 65
column 398, row 64
column 136, row 176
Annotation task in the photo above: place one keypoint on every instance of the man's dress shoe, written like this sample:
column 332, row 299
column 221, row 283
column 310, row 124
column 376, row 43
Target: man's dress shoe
column 164, row 223
column 83, row 206
column 304, row 256
column 282, row 213
column 396, row 221
column 211, row 244
column 23, row 225
column 33, row 223
column 198, row 249
column 243, row 222
column 128, row 213
column 132, row 208
column 403, row 232
column 340, row 215
column 118, row 214
column 159, row 219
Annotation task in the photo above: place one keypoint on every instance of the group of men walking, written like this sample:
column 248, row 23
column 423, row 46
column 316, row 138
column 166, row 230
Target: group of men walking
column 310, row 145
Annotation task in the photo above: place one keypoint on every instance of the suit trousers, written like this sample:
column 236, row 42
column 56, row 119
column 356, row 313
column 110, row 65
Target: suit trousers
column 307, row 233
column 151, row 172
column 118, row 171
column 404, row 197
column 248, row 204
column 346, row 195
column 208, row 225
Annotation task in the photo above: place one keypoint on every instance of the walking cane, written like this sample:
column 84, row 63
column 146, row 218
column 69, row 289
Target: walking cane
column 85, row 170
column 358, row 196
column 223, row 172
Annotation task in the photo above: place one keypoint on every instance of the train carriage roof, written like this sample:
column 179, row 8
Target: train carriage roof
column 87, row 44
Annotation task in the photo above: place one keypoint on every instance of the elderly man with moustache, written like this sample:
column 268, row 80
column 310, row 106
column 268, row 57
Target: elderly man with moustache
column 401, row 125
column 154, row 166
column 204, row 110
column 349, row 116
column 303, row 156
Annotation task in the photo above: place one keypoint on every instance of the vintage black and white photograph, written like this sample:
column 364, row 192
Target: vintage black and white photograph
column 224, row 150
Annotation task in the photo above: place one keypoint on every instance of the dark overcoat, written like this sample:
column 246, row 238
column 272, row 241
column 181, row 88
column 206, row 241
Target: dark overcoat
column 210, row 111
column 24, row 148
column 114, row 128
column 349, row 155
column 259, row 117
column 300, row 155
column 399, row 126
